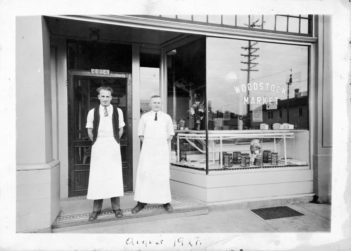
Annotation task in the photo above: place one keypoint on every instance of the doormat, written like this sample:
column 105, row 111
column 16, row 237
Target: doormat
column 271, row 213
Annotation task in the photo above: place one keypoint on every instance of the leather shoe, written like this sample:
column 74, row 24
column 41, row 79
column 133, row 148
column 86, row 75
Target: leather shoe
column 118, row 213
column 93, row 216
column 168, row 207
column 137, row 209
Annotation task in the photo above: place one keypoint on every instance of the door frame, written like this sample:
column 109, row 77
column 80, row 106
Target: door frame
column 70, row 91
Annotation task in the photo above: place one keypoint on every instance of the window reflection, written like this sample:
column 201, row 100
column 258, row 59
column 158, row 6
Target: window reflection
column 253, row 83
column 215, row 19
column 268, row 22
column 256, row 21
column 294, row 25
column 229, row 20
column 187, row 85
column 298, row 24
column 281, row 23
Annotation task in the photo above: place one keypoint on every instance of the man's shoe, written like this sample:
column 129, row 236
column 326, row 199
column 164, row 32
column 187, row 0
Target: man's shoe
column 168, row 207
column 93, row 216
column 118, row 213
column 137, row 209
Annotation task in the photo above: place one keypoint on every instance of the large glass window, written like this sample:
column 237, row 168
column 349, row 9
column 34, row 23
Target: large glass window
column 186, row 102
column 255, row 95
column 187, row 85
column 256, row 85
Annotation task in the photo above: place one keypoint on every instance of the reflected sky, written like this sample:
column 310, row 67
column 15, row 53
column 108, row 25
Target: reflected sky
column 275, row 63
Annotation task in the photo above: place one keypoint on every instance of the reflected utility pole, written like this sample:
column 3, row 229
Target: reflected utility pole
column 250, row 57
column 289, row 83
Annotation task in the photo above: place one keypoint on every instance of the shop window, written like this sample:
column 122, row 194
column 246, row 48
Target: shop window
column 253, row 91
column 187, row 85
column 253, row 80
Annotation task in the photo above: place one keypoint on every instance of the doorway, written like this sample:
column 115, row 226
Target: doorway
column 82, row 96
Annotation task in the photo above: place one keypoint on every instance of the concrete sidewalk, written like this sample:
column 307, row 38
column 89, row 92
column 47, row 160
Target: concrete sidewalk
column 227, row 218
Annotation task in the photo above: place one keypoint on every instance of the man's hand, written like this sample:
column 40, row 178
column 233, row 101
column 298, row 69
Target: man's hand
column 90, row 134
column 121, row 132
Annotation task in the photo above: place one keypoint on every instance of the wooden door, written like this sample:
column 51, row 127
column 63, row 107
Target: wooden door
column 82, row 96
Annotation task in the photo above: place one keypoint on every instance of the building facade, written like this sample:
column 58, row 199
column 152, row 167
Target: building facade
column 227, row 81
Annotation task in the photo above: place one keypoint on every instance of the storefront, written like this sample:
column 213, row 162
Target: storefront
column 227, row 81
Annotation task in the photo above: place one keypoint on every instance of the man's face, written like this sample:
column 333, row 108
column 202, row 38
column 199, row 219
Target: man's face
column 155, row 104
column 105, row 97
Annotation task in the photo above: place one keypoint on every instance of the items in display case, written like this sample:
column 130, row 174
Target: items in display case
column 183, row 152
column 255, row 150
column 181, row 124
column 274, row 158
column 236, row 157
column 238, row 150
column 227, row 159
column 267, row 156
column 284, row 126
column 264, row 126
column 245, row 160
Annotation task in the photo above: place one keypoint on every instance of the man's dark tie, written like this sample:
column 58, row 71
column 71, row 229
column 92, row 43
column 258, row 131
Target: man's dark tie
column 155, row 115
column 105, row 111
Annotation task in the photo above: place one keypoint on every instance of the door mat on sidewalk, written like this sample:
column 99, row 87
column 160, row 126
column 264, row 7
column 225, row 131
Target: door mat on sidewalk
column 276, row 212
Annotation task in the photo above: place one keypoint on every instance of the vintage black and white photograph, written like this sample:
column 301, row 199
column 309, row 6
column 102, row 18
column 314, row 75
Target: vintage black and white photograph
column 170, row 131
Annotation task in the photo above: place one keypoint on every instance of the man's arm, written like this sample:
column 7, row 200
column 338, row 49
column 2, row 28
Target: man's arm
column 90, row 134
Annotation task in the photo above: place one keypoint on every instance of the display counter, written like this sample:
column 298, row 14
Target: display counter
column 244, row 149
column 247, row 165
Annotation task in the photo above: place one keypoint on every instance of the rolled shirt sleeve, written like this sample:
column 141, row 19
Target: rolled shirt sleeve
column 120, row 118
column 90, row 119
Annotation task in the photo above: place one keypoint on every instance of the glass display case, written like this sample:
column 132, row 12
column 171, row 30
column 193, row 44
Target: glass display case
column 250, row 149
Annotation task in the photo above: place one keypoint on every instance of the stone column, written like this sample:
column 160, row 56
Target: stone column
column 322, row 139
column 37, row 171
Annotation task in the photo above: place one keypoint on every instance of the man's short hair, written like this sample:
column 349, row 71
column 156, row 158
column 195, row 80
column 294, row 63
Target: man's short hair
column 106, row 88
column 155, row 96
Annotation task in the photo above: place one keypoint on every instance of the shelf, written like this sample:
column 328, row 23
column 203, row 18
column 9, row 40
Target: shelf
column 236, row 134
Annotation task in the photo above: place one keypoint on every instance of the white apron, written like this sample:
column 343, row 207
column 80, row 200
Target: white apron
column 153, row 174
column 105, row 177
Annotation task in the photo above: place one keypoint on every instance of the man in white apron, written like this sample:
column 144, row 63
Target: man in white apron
column 105, row 127
column 152, row 182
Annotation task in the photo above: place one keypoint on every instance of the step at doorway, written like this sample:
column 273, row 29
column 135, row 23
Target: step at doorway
column 75, row 212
